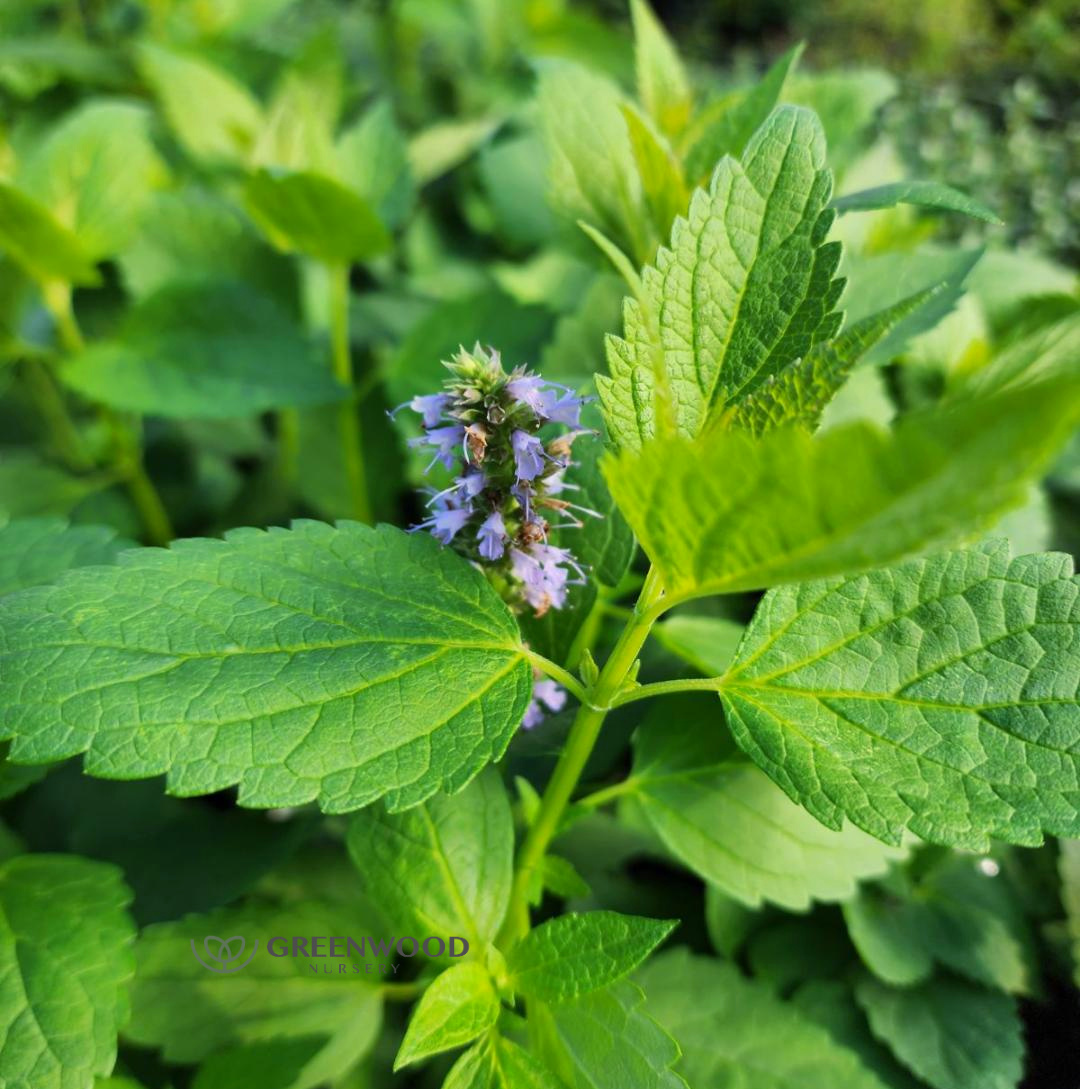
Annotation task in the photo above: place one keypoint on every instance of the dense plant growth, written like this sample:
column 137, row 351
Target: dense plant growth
column 510, row 581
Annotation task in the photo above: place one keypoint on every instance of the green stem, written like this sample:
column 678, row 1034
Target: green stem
column 127, row 456
column 401, row 992
column 579, row 746
column 352, row 448
column 54, row 411
column 663, row 688
column 607, row 794
column 563, row 676
column 288, row 446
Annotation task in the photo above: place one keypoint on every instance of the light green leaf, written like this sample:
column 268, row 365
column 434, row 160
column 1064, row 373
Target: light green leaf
column 204, row 350
column 339, row 664
column 189, row 1012
column 459, row 1006
column 939, row 695
column 30, row 486
column 746, row 288
column 96, row 171
column 665, row 192
column 316, row 216
column 732, row 512
column 38, row 244
column 576, row 954
column 440, row 147
column 214, row 117
column 662, row 83
column 738, row 1033
column 373, row 160
column 725, row 820
column 708, row 643
column 498, row 1063
column 606, row 1040
column 930, row 195
column 443, row 867
column 269, row 1064
column 726, row 128
column 1049, row 352
column 36, row 550
column 65, row 959
column 949, row 1033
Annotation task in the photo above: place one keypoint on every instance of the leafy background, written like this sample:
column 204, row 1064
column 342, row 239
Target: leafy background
column 215, row 218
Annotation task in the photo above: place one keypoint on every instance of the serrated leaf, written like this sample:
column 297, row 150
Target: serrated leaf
column 38, row 244
column 65, row 959
column 607, row 1040
column 725, row 820
column 443, row 867
column 499, row 1063
column 36, row 550
column 188, row 1012
column 930, row 195
column 662, row 83
column 736, row 1032
column 458, row 1007
column 339, row 664
column 939, row 695
column 951, row 1034
column 214, row 117
column 727, row 127
column 204, row 350
column 745, row 288
column 732, row 512
column 576, row 954
column 314, row 215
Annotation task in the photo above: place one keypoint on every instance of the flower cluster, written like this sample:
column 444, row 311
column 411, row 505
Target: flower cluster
column 490, row 429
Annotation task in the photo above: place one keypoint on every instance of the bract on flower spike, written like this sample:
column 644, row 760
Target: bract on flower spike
column 485, row 427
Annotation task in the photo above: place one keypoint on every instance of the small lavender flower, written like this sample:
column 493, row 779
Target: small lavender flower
column 547, row 697
column 447, row 522
column 491, row 536
column 446, row 440
column 528, row 455
column 430, row 406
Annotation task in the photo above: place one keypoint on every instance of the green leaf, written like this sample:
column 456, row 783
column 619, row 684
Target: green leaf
column 949, row 1033
column 459, row 1006
column 662, row 83
column 443, row 867
column 37, row 550
column 269, row 1064
column 316, row 216
column 441, row 147
column 38, row 244
column 726, row 128
column 607, row 1040
column 707, row 643
column 800, row 393
column 955, row 915
column 746, row 288
column 576, row 954
column 188, row 1012
column 1047, row 353
column 204, row 350
column 213, row 116
column 930, row 195
column 30, row 486
column 96, row 171
column 65, row 960
column 725, row 820
column 339, row 664
column 732, row 512
column 735, row 1032
column 498, row 1063
column 664, row 190
column 373, row 160
column 939, row 695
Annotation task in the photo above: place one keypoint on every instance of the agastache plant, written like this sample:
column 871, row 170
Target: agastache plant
column 491, row 429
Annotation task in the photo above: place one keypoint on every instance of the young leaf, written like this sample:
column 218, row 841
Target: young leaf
column 731, row 512
column 939, row 695
column 930, row 195
column 459, row 1006
column 204, row 350
column 661, row 175
column 736, row 1032
column 951, row 1034
column 444, row 867
column 38, row 244
column 576, row 954
column 65, row 959
column 707, row 643
column 340, row 664
column 316, row 216
column 726, row 128
column 732, row 826
column 37, row 550
column 745, row 289
column 662, row 84
column 498, row 1063
column 606, row 1040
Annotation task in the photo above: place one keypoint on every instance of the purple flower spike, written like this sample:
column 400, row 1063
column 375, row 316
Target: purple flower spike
column 446, row 441
column 547, row 698
column 528, row 455
column 491, row 536
column 430, row 407
column 445, row 524
column 564, row 409
column 528, row 389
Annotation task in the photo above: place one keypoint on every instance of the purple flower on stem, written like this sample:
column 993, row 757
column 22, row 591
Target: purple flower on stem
column 528, row 455
column 430, row 406
column 543, row 579
column 491, row 536
column 548, row 697
column 564, row 409
column 447, row 522
column 446, row 441
column 528, row 389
